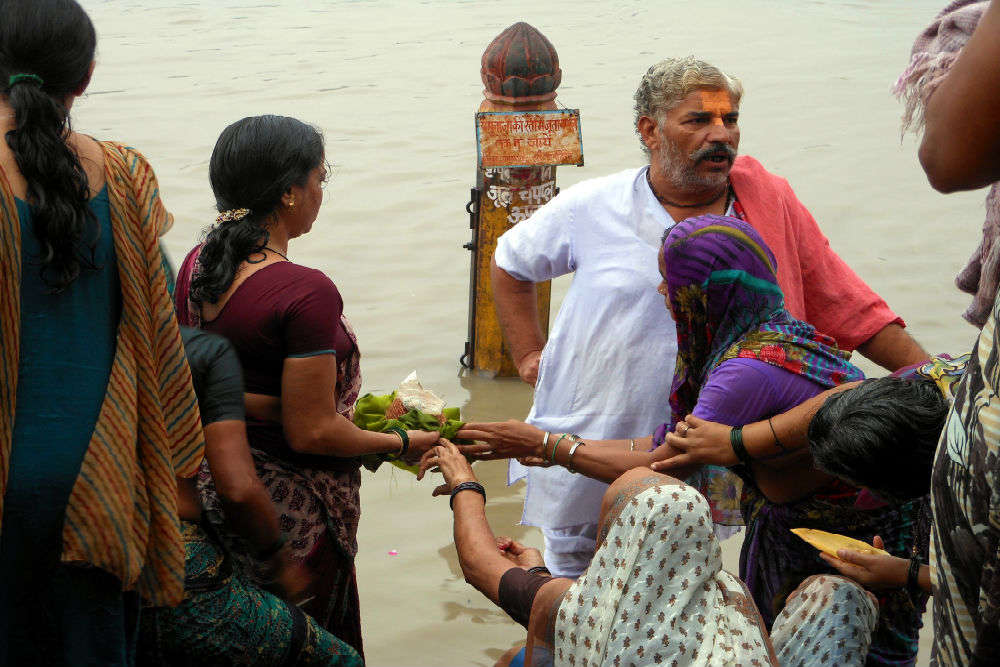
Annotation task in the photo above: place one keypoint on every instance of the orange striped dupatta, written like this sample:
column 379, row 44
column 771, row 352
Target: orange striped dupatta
column 122, row 512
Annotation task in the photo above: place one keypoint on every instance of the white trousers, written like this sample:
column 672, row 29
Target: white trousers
column 568, row 551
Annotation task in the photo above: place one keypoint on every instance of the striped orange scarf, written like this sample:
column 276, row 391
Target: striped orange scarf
column 122, row 512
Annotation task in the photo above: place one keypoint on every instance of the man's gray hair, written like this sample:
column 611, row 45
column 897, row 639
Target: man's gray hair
column 669, row 81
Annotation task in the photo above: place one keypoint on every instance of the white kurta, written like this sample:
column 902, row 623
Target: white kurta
column 606, row 369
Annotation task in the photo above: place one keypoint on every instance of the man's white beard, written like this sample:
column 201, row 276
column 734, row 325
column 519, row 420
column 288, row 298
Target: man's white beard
column 680, row 170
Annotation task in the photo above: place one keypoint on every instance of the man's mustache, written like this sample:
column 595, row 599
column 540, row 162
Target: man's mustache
column 713, row 150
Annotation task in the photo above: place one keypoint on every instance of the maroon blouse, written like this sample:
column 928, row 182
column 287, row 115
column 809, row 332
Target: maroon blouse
column 283, row 310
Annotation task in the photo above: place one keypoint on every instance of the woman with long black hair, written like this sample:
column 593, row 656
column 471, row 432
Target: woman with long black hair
column 97, row 413
column 297, row 350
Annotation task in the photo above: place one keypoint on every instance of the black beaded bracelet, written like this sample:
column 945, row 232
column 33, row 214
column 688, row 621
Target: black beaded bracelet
column 402, row 436
column 470, row 486
column 736, row 442
column 539, row 569
column 913, row 575
column 270, row 552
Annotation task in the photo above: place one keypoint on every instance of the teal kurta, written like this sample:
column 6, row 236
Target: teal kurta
column 49, row 612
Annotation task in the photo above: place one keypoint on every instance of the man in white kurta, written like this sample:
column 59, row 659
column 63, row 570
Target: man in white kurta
column 606, row 369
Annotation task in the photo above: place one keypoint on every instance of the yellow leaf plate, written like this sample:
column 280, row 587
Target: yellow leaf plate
column 830, row 543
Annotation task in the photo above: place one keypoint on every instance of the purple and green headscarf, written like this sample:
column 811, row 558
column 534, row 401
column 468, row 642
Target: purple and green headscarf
column 724, row 295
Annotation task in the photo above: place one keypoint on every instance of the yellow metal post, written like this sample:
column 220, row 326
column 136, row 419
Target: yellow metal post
column 520, row 69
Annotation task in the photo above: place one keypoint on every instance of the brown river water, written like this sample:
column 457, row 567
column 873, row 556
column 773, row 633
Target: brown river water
column 394, row 86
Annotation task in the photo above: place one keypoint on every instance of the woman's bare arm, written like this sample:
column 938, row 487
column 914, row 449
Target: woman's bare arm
column 603, row 460
column 606, row 460
column 481, row 560
column 246, row 502
column 312, row 424
column 248, row 506
column 482, row 563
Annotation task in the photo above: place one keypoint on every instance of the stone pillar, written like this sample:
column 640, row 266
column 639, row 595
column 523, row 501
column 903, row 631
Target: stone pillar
column 520, row 69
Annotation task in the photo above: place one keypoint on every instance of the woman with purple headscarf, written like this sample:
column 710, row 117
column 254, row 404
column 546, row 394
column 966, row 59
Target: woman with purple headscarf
column 741, row 358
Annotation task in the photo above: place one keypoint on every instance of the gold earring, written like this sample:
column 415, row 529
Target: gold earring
column 291, row 201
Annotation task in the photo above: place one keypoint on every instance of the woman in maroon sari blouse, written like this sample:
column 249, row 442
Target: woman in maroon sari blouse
column 299, row 354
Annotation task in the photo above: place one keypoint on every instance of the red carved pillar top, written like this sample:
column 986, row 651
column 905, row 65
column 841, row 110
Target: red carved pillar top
column 520, row 66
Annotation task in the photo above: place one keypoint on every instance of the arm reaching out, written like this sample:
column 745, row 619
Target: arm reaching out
column 312, row 424
column 704, row 442
column 893, row 348
column 479, row 553
column 602, row 460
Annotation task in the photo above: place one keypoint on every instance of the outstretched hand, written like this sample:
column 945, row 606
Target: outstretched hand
column 508, row 440
column 700, row 442
column 874, row 571
column 450, row 462
column 527, row 367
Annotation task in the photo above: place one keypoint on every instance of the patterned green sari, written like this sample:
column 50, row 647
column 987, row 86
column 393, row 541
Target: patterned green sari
column 227, row 620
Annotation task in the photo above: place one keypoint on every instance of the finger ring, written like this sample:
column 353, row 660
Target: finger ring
column 682, row 429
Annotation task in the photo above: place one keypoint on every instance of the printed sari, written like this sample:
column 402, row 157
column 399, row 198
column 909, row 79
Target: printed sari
column 227, row 619
column 655, row 593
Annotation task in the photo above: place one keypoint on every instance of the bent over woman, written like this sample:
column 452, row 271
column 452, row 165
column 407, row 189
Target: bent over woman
column 654, row 592
column 97, row 413
column 287, row 325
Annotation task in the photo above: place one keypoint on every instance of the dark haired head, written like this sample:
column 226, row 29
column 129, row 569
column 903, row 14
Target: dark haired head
column 881, row 435
column 256, row 161
column 54, row 41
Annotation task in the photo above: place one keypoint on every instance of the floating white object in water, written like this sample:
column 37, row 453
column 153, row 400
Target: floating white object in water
column 414, row 397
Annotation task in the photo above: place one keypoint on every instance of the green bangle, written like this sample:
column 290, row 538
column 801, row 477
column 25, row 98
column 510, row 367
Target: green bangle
column 736, row 442
column 402, row 436
column 552, row 456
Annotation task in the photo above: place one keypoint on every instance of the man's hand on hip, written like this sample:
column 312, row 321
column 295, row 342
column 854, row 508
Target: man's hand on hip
column 527, row 367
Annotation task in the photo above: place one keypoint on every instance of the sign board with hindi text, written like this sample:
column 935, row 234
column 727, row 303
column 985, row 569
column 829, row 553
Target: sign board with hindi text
column 529, row 138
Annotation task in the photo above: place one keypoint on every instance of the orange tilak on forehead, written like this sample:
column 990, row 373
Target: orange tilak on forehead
column 716, row 102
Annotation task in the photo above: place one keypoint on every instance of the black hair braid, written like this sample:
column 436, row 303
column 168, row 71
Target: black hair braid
column 226, row 246
column 58, row 191
column 46, row 51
